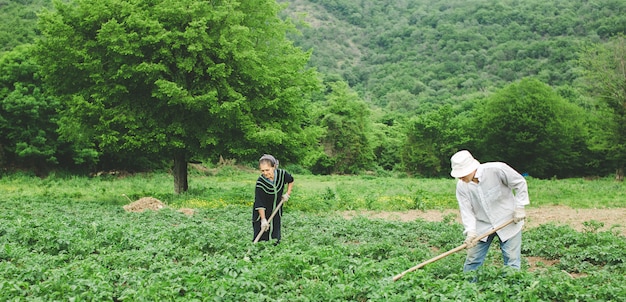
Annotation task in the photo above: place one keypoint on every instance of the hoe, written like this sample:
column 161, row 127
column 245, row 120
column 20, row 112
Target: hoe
column 269, row 219
column 450, row 252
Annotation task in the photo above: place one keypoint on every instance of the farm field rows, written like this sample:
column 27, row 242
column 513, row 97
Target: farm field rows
column 70, row 244
column 605, row 219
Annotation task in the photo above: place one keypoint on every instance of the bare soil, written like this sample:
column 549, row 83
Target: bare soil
column 144, row 203
column 612, row 219
column 151, row 203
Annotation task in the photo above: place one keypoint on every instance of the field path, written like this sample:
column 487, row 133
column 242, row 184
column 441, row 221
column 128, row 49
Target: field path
column 614, row 218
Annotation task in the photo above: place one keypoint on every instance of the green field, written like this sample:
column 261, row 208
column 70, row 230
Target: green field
column 312, row 193
column 69, row 239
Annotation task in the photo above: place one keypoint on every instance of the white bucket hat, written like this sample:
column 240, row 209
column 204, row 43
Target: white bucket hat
column 463, row 163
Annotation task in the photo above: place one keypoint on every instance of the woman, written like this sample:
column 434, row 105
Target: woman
column 268, row 193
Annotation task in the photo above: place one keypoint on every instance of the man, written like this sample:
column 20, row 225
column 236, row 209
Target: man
column 489, row 194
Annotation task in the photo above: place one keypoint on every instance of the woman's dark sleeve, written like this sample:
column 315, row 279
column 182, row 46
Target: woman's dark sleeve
column 259, row 201
column 288, row 178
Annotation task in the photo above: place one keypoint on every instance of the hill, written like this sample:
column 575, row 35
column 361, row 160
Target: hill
column 19, row 21
column 408, row 55
column 405, row 54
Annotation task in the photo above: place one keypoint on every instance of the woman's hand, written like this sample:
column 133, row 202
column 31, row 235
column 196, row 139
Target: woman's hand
column 264, row 225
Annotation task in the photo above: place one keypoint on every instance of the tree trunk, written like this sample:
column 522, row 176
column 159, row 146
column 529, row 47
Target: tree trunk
column 180, row 174
column 619, row 174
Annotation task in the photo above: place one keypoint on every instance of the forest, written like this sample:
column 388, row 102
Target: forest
column 327, row 86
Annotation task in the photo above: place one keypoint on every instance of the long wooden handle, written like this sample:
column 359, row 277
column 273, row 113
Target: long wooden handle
column 269, row 219
column 452, row 251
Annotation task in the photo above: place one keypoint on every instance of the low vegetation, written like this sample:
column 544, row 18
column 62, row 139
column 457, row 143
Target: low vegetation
column 69, row 238
column 230, row 185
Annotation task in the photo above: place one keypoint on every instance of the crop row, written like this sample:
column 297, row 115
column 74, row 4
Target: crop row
column 91, row 251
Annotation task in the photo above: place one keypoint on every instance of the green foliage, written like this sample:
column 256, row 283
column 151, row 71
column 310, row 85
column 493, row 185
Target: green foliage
column 143, row 80
column 387, row 140
column 63, row 249
column 430, row 139
column 577, row 252
column 529, row 126
column 346, row 142
column 27, row 113
column 170, row 78
column 444, row 51
column 19, row 22
column 604, row 71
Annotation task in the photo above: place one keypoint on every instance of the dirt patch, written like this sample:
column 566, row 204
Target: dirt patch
column 187, row 211
column 144, row 203
column 611, row 219
column 153, row 204
column 538, row 264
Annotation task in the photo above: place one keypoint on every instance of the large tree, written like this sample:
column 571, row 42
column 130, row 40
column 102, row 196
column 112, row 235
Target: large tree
column 179, row 78
column 604, row 69
column 430, row 139
column 27, row 114
column 347, row 148
column 530, row 126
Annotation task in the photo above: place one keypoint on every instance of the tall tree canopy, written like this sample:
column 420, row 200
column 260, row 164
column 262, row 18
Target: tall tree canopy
column 430, row 139
column 530, row 126
column 176, row 77
column 346, row 144
column 604, row 69
column 27, row 114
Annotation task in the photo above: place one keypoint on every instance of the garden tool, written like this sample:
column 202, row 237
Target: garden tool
column 269, row 219
column 450, row 252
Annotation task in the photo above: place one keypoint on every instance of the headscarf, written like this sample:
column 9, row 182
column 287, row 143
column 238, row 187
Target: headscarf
column 272, row 160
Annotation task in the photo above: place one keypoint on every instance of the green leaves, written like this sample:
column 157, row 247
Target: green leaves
column 430, row 139
column 96, row 251
column 27, row 112
column 175, row 77
column 68, row 237
column 604, row 73
column 529, row 126
column 345, row 142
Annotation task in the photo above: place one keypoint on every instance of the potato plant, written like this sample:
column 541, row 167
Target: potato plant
column 60, row 249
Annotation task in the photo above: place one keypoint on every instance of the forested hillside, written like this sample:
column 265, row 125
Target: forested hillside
column 407, row 54
column 19, row 21
column 371, row 85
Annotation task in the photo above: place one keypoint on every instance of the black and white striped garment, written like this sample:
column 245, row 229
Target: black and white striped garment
column 267, row 194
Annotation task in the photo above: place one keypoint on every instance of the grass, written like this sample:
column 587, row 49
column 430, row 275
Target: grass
column 67, row 238
column 62, row 250
column 311, row 193
column 578, row 193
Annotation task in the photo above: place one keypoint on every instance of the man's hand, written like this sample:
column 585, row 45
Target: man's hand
column 470, row 240
column 285, row 197
column 264, row 225
column 519, row 215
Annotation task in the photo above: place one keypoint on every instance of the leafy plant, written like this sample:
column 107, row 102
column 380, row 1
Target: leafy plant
column 93, row 251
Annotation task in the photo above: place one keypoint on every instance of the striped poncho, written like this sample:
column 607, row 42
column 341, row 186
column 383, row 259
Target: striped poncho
column 268, row 193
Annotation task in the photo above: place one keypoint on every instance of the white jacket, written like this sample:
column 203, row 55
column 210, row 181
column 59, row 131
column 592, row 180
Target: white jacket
column 492, row 201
